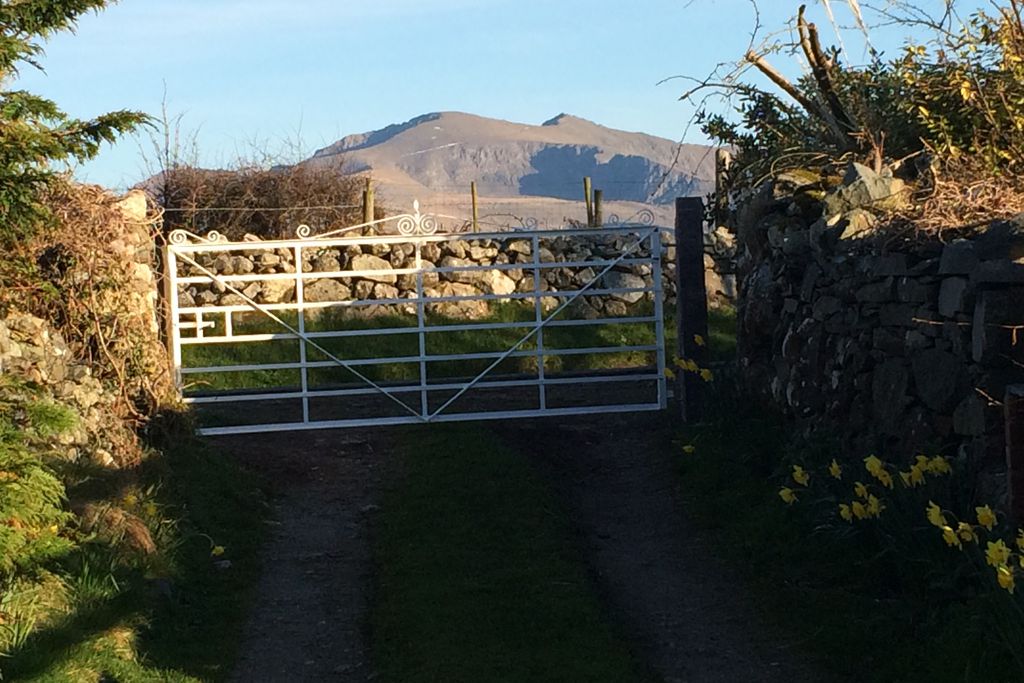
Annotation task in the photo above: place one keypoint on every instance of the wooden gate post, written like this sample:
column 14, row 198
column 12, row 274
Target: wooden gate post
column 1013, row 408
column 472, row 192
column 368, row 209
column 589, row 200
column 691, row 306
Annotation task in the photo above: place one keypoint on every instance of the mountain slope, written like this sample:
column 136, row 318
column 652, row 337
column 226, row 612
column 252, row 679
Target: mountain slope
column 439, row 154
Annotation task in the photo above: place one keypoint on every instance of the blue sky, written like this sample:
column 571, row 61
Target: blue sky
column 272, row 71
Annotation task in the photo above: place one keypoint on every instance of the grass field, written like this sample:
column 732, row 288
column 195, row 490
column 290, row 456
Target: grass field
column 393, row 345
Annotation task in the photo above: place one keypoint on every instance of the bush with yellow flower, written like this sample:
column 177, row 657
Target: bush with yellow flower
column 973, row 553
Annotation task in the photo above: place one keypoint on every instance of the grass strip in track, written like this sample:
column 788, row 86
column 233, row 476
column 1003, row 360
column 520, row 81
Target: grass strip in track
column 477, row 573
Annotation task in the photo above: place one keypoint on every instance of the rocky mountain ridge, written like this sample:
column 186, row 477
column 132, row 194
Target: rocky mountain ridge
column 441, row 153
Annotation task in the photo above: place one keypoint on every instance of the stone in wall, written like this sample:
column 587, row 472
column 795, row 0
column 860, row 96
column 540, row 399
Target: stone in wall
column 378, row 279
column 891, row 344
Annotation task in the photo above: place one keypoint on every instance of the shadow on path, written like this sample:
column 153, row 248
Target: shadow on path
column 685, row 612
column 307, row 619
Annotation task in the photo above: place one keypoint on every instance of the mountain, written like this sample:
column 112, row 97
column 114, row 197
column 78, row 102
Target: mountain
column 536, row 170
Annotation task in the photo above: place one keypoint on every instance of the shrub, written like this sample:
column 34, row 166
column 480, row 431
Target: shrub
column 32, row 513
column 267, row 202
column 957, row 96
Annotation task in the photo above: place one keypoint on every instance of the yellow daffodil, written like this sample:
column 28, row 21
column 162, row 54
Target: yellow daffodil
column 861, row 490
column 875, row 506
column 689, row 449
column 217, row 551
column 707, row 375
column 678, row 362
column 966, row 532
column 800, row 475
column 939, row 465
column 130, row 500
column 877, row 470
column 997, row 554
column 669, row 373
column 787, row 495
column 690, row 365
column 873, row 465
column 986, row 517
column 150, row 509
column 917, row 475
column 935, row 515
column 845, row 512
column 698, row 340
column 950, row 537
column 858, row 509
column 1005, row 577
column 835, row 470
column 921, row 462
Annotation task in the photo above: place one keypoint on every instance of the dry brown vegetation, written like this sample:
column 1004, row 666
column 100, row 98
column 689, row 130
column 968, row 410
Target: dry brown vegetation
column 266, row 202
column 79, row 273
column 961, row 197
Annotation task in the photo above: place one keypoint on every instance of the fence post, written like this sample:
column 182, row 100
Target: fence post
column 691, row 305
column 368, row 203
column 588, row 200
column 472, row 192
column 1013, row 407
column 598, row 208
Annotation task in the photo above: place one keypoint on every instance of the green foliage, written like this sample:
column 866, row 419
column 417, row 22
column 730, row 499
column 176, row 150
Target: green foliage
column 34, row 132
column 968, row 92
column 958, row 96
column 32, row 513
column 847, row 591
column 174, row 615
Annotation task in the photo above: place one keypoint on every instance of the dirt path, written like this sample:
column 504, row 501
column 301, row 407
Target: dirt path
column 682, row 608
column 307, row 619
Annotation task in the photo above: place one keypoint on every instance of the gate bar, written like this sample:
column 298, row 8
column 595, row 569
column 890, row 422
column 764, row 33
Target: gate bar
column 300, row 335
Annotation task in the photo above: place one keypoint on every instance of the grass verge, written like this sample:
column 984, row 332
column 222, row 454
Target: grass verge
column 476, row 577
column 838, row 596
column 97, row 614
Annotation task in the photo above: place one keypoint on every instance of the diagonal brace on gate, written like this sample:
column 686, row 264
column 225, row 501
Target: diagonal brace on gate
column 533, row 332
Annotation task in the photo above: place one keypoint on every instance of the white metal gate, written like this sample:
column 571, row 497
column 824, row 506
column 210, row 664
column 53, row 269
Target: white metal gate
column 339, row 330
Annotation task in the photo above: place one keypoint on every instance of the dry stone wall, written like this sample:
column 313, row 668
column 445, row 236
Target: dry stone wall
column 891, row 343
column 99, row 369
column 514, row 253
